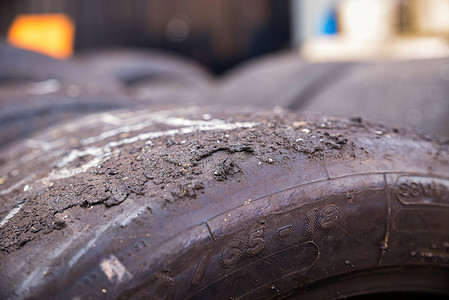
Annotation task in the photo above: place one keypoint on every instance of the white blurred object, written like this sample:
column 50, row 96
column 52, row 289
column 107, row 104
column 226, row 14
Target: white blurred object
column 368, row 20
column 371, row 30
column 431, row 16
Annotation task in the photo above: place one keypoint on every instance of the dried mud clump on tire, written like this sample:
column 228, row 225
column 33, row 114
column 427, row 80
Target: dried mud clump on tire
column 165, row 157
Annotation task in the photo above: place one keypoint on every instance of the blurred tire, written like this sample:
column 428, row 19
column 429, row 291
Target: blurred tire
column 151, row 74
column 37, row 90
column 410, row 93
column 276, row 80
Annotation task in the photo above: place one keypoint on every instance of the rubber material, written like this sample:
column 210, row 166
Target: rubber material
column 196, row 203
column 283, row 79
column 151, row 75
column 37, row 90
column 19, row 65
column 410, row 93
column 405, row 93
column 130, row 66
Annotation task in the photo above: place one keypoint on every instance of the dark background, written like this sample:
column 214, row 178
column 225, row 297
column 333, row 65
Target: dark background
column 221, row 33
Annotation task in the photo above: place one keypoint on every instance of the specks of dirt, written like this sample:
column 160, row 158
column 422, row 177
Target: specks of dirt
column 357, row 120
column 379, row 132
column 21, row 230
column 111, row 171
column 309, row 142
column 94, row 194
column 110, row 184
column 187, row 190
column 169, row 142
column 204, row 151
column 119, row 193
column 58, row 224
column 177, row 167
column 225, row 169
column 149, row 171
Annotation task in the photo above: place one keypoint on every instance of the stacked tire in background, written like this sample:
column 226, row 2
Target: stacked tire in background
column 196, row 188
column 151, row 75
column 407, row 93
column 36, row 90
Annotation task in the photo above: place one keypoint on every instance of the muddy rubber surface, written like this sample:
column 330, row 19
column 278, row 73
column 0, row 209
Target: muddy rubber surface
column 182, row 202
column 101, row 170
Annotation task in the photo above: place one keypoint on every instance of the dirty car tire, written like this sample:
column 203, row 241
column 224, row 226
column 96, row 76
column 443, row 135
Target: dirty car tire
column 196, row 203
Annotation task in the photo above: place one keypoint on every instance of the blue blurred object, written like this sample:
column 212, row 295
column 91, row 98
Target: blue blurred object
column 329, row 24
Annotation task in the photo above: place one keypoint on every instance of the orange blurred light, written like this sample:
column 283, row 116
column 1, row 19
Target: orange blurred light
column 50, row 34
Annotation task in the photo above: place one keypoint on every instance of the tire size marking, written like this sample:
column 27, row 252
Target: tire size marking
column 328, row 217
column 325, row 220
column 284, row 232
column 311, row 219
column 235, row 249
column 255, row 242
column 231, row 253
column 198, row 272
column 422, row 190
